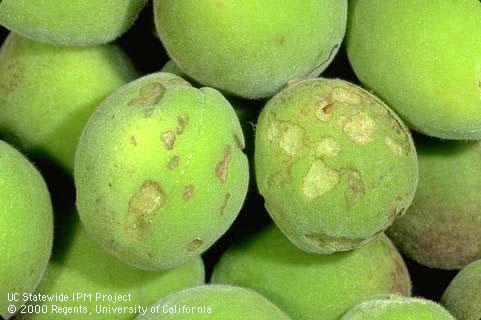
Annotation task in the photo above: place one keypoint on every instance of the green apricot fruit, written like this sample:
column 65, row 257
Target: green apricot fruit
column 398, row 308
column 214, row 302
column 308, row 286
column 423, row 58
column 251, row 48
column 463, row 295
column 26, row 227
column 334, row 164
column 74, row 23
column 442, row 227
column 48, row 92
column 159, row 172
column 80, row 266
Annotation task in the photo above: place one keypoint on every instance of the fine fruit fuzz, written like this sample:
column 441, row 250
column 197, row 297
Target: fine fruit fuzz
column 442, row 227
column 423, row 58
column 306, row 285
column 334, row 164
column 48, row 92
column 26, row 227
column 397, row 308
column 463, row 295
column 73, row 23
column 215, row 302
column 251, row 48
column 160, row 173
column 79, row 265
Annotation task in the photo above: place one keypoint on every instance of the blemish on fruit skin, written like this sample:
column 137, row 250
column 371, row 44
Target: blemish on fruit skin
column 289, row 136
column 224, row 204
column 133, row 140
column 345, row 95
column 360, row 128
column 182, row 122
column 168, row 137
column 142, row 207
column 239, row 142
column 319, row 180
column 194, row 245
column 222, row 167
column 355, row 187
column 395, row 147
column 327, row 147
column 174, row 162
column 280, row 178
column 332, row 243
column 188, row 192
column 149, row 95
column 324, row 110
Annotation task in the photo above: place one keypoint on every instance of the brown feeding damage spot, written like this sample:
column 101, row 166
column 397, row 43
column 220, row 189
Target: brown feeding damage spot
column 360, row 128
column 133, row 140
column 143, row 206
column 174, row 162
column 319, row 180
column 182, row 122
column 224, row 204
column 345, row 95
column 194, row 245
column 395, row 147
column 222, row 167
column 168, row 137
column 355, row 187
column 324, row 110
column 289, row 136
column 333, row 243
column 149, row 95
column 188, row 191
column 239, row 143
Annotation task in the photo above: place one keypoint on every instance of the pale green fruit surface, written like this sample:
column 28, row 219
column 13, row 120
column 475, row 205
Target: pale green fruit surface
column 463, row 295
column 26, row 226
column 442, row 227
column 74, row 23
column 398, row 308
column 160, row 173
column 312, row 287
column 79, row 265
column 220, row 302
column 423, row 57
column 251, row 48
column 334, row 164
column 48, row 92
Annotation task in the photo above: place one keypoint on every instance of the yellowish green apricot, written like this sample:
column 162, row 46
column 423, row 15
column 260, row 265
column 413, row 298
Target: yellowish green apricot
column 463, row 295
column 398, row 308
column 423, row 58
column 442, row 227
column 251, row 48
column 75, row 23
column 48, row 92
column 214, row 302
column 310, row 287
column 334, row 164
column 80, row 266
column 26, row 227
column 159, row 172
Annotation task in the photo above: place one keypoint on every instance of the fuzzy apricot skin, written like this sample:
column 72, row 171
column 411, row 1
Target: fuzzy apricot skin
column 251, row 48
column 26, row 226
column 71, row 23
column 442, row 227
column 160, row 173
column 398, row 308
column 334, row 164
column 423, row 58
column 297, row 281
